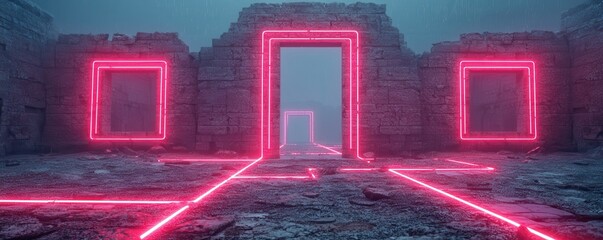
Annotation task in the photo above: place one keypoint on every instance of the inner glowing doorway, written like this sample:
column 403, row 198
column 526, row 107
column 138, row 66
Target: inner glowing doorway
column 310, row 100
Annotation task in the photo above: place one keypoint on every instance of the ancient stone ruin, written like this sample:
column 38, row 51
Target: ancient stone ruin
column 408, row 102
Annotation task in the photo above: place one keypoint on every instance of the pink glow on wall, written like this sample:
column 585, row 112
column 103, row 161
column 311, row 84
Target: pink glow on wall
column 309, row 114
column 347, row 39
column 100, row 67
column 468, row 66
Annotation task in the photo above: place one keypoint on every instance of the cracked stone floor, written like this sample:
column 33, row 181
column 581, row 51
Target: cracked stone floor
column 560, row 194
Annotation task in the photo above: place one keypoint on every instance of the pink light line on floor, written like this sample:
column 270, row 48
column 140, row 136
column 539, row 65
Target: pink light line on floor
column 472, row 205
column 310, row 175
column 88, row 201
column 272, row 177
column 311, row 171
column 461, row 162
column 358, row 169
column 163, row 222
column 225, row 181
column 443, row 169
column 309, row 153
column 328, row 148
column 202, row 196
column 203, row 160
column 417, row 169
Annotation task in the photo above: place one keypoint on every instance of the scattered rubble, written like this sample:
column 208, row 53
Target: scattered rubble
column 12, row 163
column 310, row 194
column 323, row 220
column 157, row 150
column 128, row 151
column 554, row 195
column 596, row 153
column 375, row 193
column 206, row 227
column 361, row 202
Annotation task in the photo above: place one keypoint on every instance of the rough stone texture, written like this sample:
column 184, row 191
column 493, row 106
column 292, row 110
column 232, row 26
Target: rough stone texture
column 407, row 103
column 440, row 87
column 229, row 74
column 558, row 194
column 583, row 27
column 68, row 85
column 25, row 32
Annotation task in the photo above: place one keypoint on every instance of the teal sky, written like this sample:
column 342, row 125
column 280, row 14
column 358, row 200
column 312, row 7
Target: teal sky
column 423, row 22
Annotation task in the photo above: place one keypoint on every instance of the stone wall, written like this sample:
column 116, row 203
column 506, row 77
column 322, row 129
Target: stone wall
column 25, row 33
column 407, row 102
column 68, row 83
column 440, row 88
column 583, row 27
column 229, row 86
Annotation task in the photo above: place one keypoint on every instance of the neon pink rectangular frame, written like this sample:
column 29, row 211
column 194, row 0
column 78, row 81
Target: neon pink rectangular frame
column 345, row 38
column 99, row 67
column 465, row 68
column 310, row 116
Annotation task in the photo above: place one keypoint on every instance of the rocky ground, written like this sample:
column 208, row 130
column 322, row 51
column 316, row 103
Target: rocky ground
column 560, row 194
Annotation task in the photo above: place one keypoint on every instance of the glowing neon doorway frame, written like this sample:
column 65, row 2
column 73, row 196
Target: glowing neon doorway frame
column 310, row 116
column 494, row 65
column 347, row 39
column 101, row 66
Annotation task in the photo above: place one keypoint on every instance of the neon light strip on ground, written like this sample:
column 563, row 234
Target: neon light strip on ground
column 443, row 169
column 310, row 175
column 311, row 171
column 472, row 205
column 418, row 169
column 461, row 162
column 358, row 169
column 311, row 153
column 204, row 160
column 88, row 201
column 173, row 215
column 163, row 222
column 202, row 196
column 225, row 181
column 328, row 148
column 272, row 177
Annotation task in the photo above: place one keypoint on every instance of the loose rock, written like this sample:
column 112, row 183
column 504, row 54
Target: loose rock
column 375, row 193
column 157, row 150
column 361, row 202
